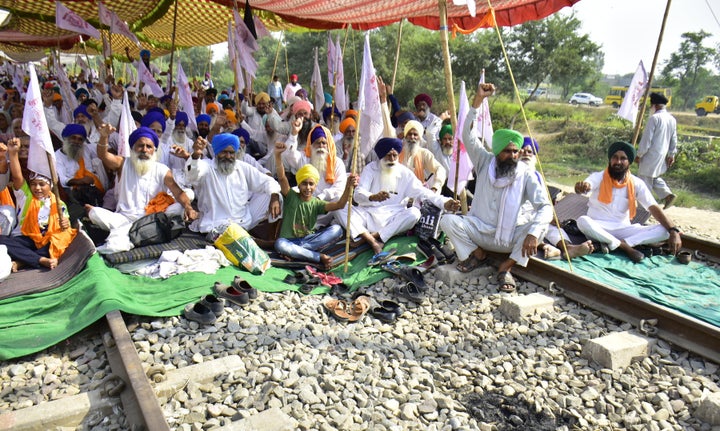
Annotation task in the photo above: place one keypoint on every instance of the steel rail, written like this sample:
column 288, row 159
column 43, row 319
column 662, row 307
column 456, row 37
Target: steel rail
column 142, row 407
column 681, row 330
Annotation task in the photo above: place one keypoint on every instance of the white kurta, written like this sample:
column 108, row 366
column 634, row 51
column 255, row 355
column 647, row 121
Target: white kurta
column 67, row 167
column 659, row 140
column 616, row 213
column 294, row 160
column 226, row 198
column 134, row 192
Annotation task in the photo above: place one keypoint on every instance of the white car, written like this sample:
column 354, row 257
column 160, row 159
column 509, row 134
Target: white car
column 585, row 99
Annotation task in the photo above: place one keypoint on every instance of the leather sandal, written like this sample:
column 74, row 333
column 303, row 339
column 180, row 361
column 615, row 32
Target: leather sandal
column 337, row 308
column 506, row 282
column 358, row 308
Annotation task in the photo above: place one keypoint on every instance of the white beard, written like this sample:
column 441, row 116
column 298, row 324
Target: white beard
column 319, row 160
column 410, row 148
column 388, row 177
column 72, row 151
column 448, row 151
column 225, row 167
column 179, row 138
column 142, row 167
column 530, row 161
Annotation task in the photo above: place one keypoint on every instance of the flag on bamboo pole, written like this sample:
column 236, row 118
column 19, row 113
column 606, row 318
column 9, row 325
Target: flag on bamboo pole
column 69, row 100
column 260, row 28
column 69, row 20
column 185, row 96
column 116, row 24
column 340, row 100
column 146, row 77
column 317, row 85
column 234, row 59
column 483, row 127
column 17, row 78
column 465, row 166
column 371, row 123
column 246, row 36
column 331, row 58
column 125, row 128
column 630, row 104
column 35, row 125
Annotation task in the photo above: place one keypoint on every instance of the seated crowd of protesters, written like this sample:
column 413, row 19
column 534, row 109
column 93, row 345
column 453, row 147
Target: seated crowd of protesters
column 243, row 161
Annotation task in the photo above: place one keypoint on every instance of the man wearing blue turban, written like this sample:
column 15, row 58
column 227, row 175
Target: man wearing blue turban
column 382, row 195
column 229, row 190
column 501, row 188
column 141, row 188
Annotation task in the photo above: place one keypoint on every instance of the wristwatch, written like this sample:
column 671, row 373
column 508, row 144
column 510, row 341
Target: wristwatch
column 674, row 228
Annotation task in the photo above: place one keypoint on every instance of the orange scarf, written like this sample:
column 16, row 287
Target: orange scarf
column 59, row 239
column 418, row 169
column 82, row 172
column 159, row 203
column 606, row 189
column 330, row 170
column 6, row 197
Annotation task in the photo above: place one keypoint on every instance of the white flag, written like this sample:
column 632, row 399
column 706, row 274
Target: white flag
column 340, row 100
column 35, row 125
column 104, row 14
column 260, row 28
column 469, row 3
column 246, row 37
column 185, row 96
column 317, row 85
column 234, row 59
column 126, row 127
column 371, row 123
column 17, row 77
column 629, row 108
column 69, row 20
column 331, row 58
column 484, row 127
column 66, row 91
column 465, row 166
column 117, row 25
column 146, row 77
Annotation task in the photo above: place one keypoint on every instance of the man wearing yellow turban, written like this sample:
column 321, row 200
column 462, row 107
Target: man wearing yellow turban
column 502, row 186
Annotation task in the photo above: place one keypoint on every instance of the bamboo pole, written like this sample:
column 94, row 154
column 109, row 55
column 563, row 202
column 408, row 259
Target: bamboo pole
column 353, row 170
column 641, row 111
column 277, row 54
column 172, row 49
column 397, row 53
column 287, row 65
column 55, row 188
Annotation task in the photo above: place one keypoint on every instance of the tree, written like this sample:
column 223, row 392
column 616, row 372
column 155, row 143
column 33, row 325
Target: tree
column 686, row 69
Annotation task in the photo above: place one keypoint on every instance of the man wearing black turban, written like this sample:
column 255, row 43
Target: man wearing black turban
column 614, row 194
column 657, row 149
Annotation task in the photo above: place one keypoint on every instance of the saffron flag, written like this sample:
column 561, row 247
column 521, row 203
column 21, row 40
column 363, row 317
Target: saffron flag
column 146, row 77
column 484, row 127
column 331, row 58
column 35, row 125
column 371, row 125
column 317, row 85
column 463, row 168
column 629, row 107
column 69, row 20
column 340, row 100
column 126, row 127
column 185, row 96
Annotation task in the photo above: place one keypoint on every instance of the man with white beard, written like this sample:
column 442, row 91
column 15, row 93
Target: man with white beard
column 242, row 155
column 346, row 145
column 228, row 190
column 141, row 181
column 82, row 175
column 382, row 196
column 421, row 160
column 502, row 186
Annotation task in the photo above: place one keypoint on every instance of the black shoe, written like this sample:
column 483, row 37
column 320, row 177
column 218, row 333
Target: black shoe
column 411, row 292
column 199, row 313
column 231, row 294
column 215, row 304
column 243, row 286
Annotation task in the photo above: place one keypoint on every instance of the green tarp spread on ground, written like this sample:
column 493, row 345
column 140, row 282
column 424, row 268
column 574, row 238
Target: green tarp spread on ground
column 33, row 322
column 692, row 289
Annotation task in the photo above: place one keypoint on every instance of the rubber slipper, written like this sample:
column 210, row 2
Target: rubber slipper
column 445, row 248
column 338, row 309
column 506, row 282
column 407, row 257
column 340, row 289
column 359, row 308
column 411, row 292
column 382, row 257
column 470, row 264
column 429, row 263
column 408, row 273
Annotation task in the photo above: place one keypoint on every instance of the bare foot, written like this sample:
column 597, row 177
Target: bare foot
column 551, row 253
column 14, row 266
column 375, row 244
column 48, row 262
column 358, row 243
column 580, row 249
column 634, row 255
column 326, row 261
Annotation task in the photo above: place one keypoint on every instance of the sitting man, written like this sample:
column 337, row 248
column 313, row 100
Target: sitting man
column 81, row 175
column 502, row 186
column 382, row 195
column 320, row 152
column 420, row 160
column 141, row 188
column 229, row 190
column 615, row 193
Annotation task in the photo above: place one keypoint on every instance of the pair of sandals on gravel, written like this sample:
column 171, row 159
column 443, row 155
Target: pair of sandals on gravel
column 506, row 282
column 387, row 310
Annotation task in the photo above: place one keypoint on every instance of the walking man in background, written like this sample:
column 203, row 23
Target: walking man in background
column 657, row 149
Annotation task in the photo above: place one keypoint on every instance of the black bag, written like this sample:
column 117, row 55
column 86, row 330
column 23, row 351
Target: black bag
column 571, row 228
column 427, row 226
column 155, row 228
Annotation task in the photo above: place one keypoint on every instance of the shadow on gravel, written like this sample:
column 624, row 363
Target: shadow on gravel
column 511, row 414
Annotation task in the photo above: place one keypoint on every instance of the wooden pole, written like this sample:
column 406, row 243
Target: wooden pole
column 353, row 170
column 641, row 111
column 397, row 53
column 277, row 54
column 56, row 189
column 172, row 49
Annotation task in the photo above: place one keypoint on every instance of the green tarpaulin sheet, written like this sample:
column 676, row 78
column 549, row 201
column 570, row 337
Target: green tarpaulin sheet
column 692, row 289
column 30, row 323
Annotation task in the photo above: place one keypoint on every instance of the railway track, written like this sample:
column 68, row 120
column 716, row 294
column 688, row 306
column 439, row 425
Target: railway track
column 653, row 319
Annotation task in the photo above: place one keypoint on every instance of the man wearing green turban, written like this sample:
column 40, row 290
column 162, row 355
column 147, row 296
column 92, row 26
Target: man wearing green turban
column 502, row 186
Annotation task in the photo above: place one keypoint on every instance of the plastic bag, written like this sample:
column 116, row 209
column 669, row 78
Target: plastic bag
column 429, row 223
column 240, row 249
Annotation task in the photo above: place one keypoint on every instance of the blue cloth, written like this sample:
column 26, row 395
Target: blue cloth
column 203, row 118
column 82, row 109
column 224, row 140
column 304, row 248
column 144, row 132
column 242, row 133
column 152, row 117
column 384, row 146
column 181, row 117
column 74, row 129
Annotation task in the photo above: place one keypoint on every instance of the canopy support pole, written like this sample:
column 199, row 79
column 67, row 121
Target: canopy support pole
column 277, row 54
column 641, row 111
column 172, row 51
column 397, row 52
